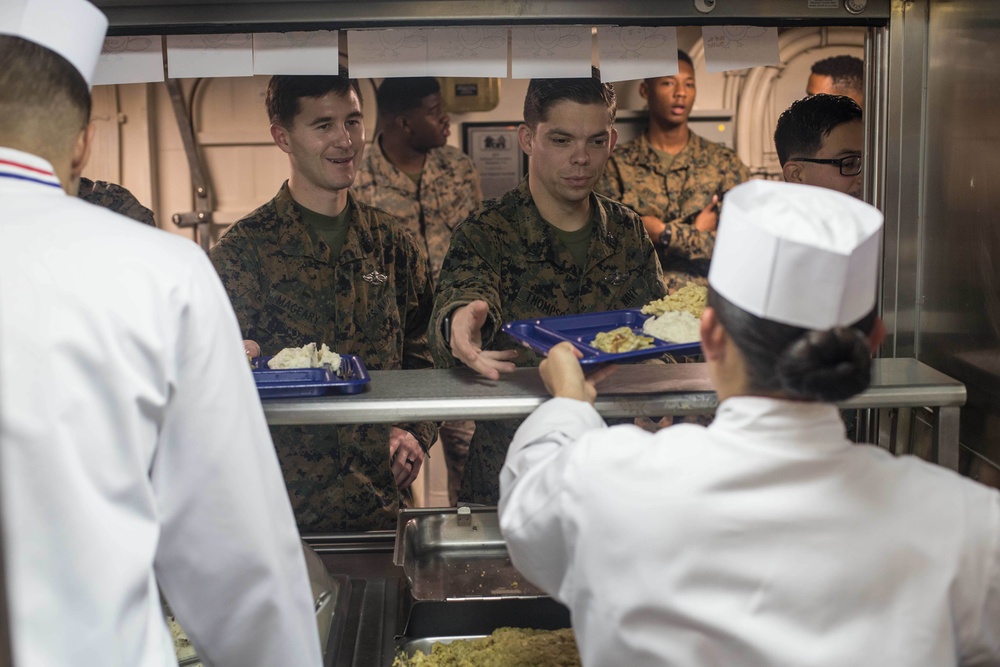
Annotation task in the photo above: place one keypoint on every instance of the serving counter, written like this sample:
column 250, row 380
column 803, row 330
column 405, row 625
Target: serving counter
column 633, row 391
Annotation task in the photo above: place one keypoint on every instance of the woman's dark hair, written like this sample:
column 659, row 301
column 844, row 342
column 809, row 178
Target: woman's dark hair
column 829, row 365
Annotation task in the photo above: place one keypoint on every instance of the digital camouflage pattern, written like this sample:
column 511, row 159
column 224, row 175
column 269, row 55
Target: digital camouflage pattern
column 373, row 301
column 115, row 198
column 703, row 168
column 448, row 192
column 507, row 256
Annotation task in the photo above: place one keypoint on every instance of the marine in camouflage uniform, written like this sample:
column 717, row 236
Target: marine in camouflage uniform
column 447, row 193
column 115, row 198
column 506, row 255
column 374, row 300
column 634, row 176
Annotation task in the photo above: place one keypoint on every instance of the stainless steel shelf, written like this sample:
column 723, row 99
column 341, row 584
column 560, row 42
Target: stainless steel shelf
column 635, row 390
column 644, row 389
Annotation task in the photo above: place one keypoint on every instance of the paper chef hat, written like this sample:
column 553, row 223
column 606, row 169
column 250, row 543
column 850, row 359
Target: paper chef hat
column 72, row 28
column 797, row 254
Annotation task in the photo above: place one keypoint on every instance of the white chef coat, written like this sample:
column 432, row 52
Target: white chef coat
column 764, row 539
column 134, row 448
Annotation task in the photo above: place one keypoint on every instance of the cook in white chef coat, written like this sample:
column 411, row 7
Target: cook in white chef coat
column 766, row 538
column 133, row 450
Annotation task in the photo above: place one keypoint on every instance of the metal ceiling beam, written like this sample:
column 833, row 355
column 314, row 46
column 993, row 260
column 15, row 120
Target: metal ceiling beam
column 172, row 17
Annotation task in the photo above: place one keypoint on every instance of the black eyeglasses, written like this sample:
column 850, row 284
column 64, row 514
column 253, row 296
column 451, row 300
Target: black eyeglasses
column 849, row 166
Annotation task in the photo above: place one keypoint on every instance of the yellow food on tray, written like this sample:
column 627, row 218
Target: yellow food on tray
column 621, row 339
column 691, row 298
column 506, row 647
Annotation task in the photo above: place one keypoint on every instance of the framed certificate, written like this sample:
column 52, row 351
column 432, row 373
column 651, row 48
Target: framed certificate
column 494, row 149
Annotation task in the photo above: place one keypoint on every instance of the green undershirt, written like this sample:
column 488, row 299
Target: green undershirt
column 666, row 159
column 332, row 229
column 577, row 242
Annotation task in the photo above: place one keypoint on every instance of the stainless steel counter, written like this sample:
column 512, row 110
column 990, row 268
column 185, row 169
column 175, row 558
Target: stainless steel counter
column 634, row 390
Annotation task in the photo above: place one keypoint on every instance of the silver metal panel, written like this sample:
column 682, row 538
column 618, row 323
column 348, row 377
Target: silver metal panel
column 163, row 16
column 959, row 302
column 903, row 126
column 457, row 554
column 635, row 390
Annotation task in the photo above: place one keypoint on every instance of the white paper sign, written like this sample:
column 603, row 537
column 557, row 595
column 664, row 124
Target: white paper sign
column 130, row 60
column 387, row 53
column 312, row 52
column 739, row 47
column 472, row 52
column 550, row 52
column 636, row 52
column 191, row 56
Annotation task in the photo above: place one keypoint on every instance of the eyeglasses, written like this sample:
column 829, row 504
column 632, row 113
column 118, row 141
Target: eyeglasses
column 849, row 166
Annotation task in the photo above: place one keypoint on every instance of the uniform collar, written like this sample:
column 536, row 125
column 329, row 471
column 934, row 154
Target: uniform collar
column 537, row 236
column 687, row 156
column 298, row 238
column 800, row 427
column 18, row 166
column 382, row 165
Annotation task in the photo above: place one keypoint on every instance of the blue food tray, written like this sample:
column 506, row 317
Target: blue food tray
column 303, row 382
column 542, row 334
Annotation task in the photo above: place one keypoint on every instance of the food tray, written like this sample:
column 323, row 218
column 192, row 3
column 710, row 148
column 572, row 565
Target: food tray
column 542, row 334
column 303, row 382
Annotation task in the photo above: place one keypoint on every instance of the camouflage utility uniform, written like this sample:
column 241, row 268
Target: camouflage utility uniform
column 116, row 198
column 506, row 256
column 703, row 168
column 373, row 301
column 447, row 193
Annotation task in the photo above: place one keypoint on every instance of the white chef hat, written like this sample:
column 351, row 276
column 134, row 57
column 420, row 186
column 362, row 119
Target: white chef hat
column 74, row 29
column 797, row 254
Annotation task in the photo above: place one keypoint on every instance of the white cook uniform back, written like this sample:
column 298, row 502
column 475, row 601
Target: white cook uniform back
column 134, row 449
column 766, row 539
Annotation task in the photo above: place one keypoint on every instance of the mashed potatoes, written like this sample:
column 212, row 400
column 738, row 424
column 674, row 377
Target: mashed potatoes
column 506, row 647
column 674, row 326
column 691, row 298
column 306, row 356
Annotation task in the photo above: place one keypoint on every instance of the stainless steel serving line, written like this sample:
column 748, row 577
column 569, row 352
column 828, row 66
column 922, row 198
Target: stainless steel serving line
column 634, row 390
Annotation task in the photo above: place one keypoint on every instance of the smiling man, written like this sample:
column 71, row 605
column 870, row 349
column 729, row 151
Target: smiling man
column 549, row 247
column 315, row 265
column 674, row 178
column 820, row 141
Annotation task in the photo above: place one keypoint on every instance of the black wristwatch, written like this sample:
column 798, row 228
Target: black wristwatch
column 446, row 329
column 666, row 236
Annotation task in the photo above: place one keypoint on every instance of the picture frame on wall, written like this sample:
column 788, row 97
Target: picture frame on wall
column 499, row 159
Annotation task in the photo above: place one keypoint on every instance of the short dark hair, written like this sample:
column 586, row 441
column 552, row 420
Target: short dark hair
column 847, row 72
column 830, row 365
column 543, row 94
column 803, row 126
column 42, row 95
column 285, row 90
column 396, row 96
